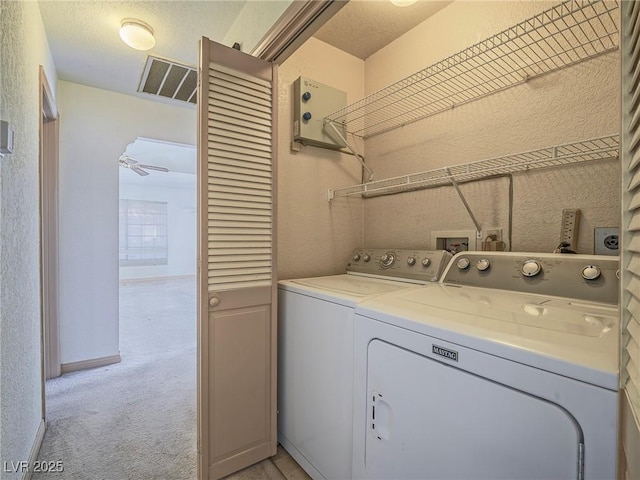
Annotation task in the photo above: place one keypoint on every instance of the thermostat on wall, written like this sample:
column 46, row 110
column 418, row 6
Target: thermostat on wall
column 6, row 138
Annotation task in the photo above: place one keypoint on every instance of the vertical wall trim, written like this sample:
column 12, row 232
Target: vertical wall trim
column 48, row 170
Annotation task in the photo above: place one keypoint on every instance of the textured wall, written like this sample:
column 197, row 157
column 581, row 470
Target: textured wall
column 23, row 49
column 314, row 236
column 573, row 104
column 95, row 128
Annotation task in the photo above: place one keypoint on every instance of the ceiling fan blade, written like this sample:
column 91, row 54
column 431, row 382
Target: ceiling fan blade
column 139, row 171
column 153, row 167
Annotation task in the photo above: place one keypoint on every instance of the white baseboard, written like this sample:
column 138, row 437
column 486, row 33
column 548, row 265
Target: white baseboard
column 35, row 449
column 91, row 363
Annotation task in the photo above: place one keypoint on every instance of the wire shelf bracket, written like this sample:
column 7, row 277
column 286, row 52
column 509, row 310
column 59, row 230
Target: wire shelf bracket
column 600, row 148
column 359, row 157
column 452, row 179
column 564, row 35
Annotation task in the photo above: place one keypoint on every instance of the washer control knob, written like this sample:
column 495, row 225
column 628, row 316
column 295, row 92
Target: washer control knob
column 306, row 116
column 531, row 268
column 306, row 96
column 387, row 259
column 590, row 272
column 411, row 261
column 426, row 261
column 483, row 264
column 463, row 263
column 356, row 257
column 366, row 257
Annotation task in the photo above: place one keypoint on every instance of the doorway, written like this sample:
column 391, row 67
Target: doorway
column 138, row 416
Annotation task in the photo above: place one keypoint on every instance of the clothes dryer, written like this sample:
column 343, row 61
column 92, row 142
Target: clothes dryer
column 315, row 351
column 507, row 369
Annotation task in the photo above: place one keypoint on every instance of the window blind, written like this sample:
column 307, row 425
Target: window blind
column 143, row 233
column 630, row 362
column 240, row 203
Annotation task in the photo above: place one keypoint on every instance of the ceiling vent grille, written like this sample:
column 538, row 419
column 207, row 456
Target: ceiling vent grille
column 169, row 79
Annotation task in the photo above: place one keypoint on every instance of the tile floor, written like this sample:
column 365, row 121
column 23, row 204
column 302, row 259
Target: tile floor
column 288, row 466
column 279, row 467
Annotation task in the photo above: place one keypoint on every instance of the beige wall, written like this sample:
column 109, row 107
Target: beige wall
column 573, row 104
column 314, row 236
column 23, row 49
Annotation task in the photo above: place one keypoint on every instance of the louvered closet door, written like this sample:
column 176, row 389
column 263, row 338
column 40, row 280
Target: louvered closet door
column 236, row 274
column 630, row 261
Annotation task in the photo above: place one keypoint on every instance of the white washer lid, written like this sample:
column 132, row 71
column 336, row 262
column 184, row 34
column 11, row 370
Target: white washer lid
column 353, row 285
column 345, row 289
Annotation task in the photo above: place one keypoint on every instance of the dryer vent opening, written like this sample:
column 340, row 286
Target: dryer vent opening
column 169, row 79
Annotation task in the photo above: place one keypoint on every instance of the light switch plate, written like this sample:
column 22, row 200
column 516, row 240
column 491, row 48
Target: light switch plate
column 6, row 138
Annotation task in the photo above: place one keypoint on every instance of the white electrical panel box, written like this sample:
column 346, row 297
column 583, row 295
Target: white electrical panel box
column 312, row 102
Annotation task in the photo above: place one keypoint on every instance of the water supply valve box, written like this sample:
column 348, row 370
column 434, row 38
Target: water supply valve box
column 312, row 102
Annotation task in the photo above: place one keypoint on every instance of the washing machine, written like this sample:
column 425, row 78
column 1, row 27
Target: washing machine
column 315, row 351
column 506, row 369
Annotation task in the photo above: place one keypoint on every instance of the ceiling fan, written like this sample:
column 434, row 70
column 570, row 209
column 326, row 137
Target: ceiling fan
column 126, row 161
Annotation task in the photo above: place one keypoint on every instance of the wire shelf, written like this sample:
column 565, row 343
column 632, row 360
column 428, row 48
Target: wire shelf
column 601, row 148
column 564, row 35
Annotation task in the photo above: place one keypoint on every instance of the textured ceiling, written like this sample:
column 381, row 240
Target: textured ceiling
column 363, row 27
column 86, row 47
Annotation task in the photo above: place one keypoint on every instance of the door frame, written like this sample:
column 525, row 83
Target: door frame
column 48, row 165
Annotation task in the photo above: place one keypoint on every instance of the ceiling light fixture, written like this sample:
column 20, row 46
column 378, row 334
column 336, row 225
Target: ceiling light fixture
column 403, row 3
column 137, row 34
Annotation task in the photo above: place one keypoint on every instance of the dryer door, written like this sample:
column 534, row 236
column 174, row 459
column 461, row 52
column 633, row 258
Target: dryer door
column 429, row 420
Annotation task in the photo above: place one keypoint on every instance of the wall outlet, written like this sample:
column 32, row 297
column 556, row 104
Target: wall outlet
column 569, row 227
column 605, row 240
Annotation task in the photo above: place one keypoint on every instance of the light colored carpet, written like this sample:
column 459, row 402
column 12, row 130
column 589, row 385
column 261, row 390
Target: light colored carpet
column 137, row 419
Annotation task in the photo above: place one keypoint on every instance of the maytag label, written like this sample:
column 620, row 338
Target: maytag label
column 443, row 352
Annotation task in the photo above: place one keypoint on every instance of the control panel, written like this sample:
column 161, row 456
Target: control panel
column 312, row 101
column 587, row 277
column 422, row 265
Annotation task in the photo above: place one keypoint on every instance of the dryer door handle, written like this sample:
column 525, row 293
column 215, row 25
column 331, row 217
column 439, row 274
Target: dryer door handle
column 380, row 416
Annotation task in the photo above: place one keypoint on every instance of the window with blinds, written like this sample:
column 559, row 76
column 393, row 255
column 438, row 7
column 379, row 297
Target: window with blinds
column 239, row 170
column 630, row 371
column 143, row 233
